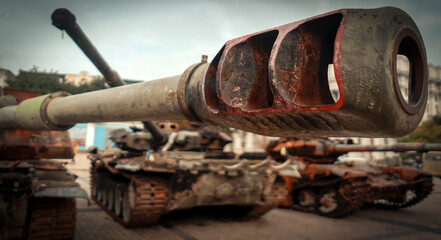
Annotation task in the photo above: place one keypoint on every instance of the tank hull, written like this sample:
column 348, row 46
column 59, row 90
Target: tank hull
column 336, row 190
column 136, row 191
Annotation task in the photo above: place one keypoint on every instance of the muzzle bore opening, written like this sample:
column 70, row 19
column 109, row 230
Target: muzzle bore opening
column 411, row 78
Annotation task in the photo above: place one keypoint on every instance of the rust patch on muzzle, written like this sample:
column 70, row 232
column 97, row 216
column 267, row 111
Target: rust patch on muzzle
column 282, row 69
column 275, row 82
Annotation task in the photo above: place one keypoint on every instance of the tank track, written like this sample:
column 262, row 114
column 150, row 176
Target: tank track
column 421, row 188
column 52, row 218
column 349, row 195
column 142, row 201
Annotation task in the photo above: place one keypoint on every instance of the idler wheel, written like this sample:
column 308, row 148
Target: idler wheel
column 328, row 201
column 332, row 204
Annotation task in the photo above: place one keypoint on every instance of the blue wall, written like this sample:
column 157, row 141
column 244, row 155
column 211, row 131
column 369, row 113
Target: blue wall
column 79, row 131
column 99, row 139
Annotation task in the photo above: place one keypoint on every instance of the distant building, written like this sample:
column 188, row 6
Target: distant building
column 68, row 78
column 433, row 102
column 78, row 79
column 85, row 78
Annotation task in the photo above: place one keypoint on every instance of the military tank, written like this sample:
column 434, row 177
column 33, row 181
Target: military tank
column 37, row 194
column 336, row 189
column 272, row 82
column 148, row 170
column 153, row 172
column 137, row 184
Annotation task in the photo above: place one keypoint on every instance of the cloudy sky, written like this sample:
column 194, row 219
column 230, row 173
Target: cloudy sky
column 145, row 40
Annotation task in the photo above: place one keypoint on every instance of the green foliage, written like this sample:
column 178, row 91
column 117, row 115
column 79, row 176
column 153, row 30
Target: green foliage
column 44, row 82
column 429, row 131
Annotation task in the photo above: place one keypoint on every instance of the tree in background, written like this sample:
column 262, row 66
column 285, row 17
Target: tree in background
column 429, row 131
column 47, row 82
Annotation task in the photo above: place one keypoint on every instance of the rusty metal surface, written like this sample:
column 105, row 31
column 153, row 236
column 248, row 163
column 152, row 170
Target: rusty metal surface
column 420, row 220
column 37, row 194
column 141, row 202
column 325, row 150
column 153, row 100
column 400, row 147
column 275, row 82
column 25, row 144
column 292, row 85
column 181, row 179
column 338, row 189
column 355, row 187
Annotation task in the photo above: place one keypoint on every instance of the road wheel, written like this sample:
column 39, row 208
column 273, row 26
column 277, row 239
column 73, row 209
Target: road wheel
column 127, row 203
column 102, row 194
column 332, row 204
column 307, row 198
column 119, row 195
column 110, row 192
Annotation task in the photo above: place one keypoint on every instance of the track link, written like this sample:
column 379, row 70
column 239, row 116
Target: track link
column 52, row 219
column 148, row 200
column 142, row 201
column 420, row 188
column 348, row 195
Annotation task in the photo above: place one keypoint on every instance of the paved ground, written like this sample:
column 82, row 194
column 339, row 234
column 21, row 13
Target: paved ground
column 422, row 221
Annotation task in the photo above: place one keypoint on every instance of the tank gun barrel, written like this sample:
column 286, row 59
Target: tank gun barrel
column 63, row 19
column 324, row 148
column 159, row 137
column 400, row 147
column 273, row 82
column 66, row 21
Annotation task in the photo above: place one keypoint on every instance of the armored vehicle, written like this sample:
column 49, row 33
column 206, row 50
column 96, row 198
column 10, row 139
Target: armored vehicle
column 273, row 82
column 335, row 189
column 136, row 187
column 37, row 194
